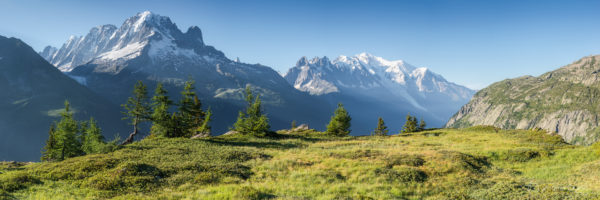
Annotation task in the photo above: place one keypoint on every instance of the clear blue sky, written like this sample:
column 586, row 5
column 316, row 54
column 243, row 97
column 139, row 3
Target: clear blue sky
column 473, row 43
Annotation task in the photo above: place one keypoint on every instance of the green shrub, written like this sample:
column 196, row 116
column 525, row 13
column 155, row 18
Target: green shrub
column 13, row 181
column 357, row 154
column 464, row 162
column 206, row 178
column 408, row 160
column 520, row 154
column 402, row 174
column 250, row 193
column 129, row 175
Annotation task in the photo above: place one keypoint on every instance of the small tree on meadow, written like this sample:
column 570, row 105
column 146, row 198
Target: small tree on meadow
column 92, row 139
column 191, row 115
column 422, row 125
column 410, row 125
column 137, row 109
column 50, row 150
column 67, row 143
column 381, row 129
column 252, row 121
column 294, row 124
column 340, row 122
column 161, row 119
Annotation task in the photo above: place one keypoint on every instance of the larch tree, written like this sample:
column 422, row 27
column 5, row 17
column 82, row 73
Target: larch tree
column 137, row 109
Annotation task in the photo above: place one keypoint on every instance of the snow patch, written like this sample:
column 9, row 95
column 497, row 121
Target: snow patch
column 165, row 48
column 128, row 52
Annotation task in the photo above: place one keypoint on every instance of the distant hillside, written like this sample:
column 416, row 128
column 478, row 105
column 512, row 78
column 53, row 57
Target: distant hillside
column 33, row 92
column 475, row 163
column 565, row 101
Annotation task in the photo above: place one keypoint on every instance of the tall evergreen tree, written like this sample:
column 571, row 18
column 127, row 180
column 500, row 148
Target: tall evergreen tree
column 340, row 122
column 381, row 129
column 50, row 152
column 161, row 119
column 137, row 108
column 67, row 143
column 422, row 125
column 190, row 110
column 410, row 125
column 93, row 141
column 253, row 121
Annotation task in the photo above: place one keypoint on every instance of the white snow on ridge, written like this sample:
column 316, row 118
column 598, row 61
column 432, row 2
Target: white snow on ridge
column 130, row 51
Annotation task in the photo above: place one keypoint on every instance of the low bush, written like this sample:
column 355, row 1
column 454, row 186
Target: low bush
column 408, row 160
column 13, row 181
column 402, row 174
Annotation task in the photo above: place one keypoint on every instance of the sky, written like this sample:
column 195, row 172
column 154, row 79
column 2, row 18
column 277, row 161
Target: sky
column 472, row 43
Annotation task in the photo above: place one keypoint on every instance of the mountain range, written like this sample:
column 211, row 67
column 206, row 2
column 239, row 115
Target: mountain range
column 104, row 64
column 375, row 85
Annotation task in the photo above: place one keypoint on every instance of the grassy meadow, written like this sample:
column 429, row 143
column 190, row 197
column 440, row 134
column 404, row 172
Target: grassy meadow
column 472, row 163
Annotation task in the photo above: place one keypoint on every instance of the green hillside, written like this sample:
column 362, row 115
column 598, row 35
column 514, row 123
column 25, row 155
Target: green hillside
column 473, row 163
column 565, row 101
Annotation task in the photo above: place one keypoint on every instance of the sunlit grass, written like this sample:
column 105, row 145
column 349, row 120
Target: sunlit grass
column 474, row 163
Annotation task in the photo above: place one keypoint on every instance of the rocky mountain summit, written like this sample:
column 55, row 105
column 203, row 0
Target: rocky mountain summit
column 151, row 48
column 375, row 79
column 565, row 101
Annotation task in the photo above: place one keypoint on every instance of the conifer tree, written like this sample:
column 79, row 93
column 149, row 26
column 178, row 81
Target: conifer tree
column 410, row 125
column 294, row 124
column 137, row 108
column 50, row 152
column 253, row 121
column 190, row 111
column 381, row 129
column 340, row 122
column 205, row 127
column 422, row 125
column 161, row 119
column 93, row 141
column 67, row 143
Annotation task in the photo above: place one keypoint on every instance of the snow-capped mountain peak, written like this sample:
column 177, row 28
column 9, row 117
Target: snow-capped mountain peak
column 364, row 73
column 143, row 32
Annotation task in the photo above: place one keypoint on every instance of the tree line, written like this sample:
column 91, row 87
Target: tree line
column 69, row 137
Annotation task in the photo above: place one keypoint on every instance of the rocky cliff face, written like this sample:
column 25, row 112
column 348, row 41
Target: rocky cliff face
column 564, row 101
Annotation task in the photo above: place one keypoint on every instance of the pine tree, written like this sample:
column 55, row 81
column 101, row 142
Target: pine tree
column 49, row 152
column 293, row 125
column 205, row 128
column 381, row 129
column 340, row 122
column 93, row 140
column 190, row 111
column 422, row 125
column 410, row 125
column 161, row 119
column 67, row 143
column 253, row 121
column 137, row 108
